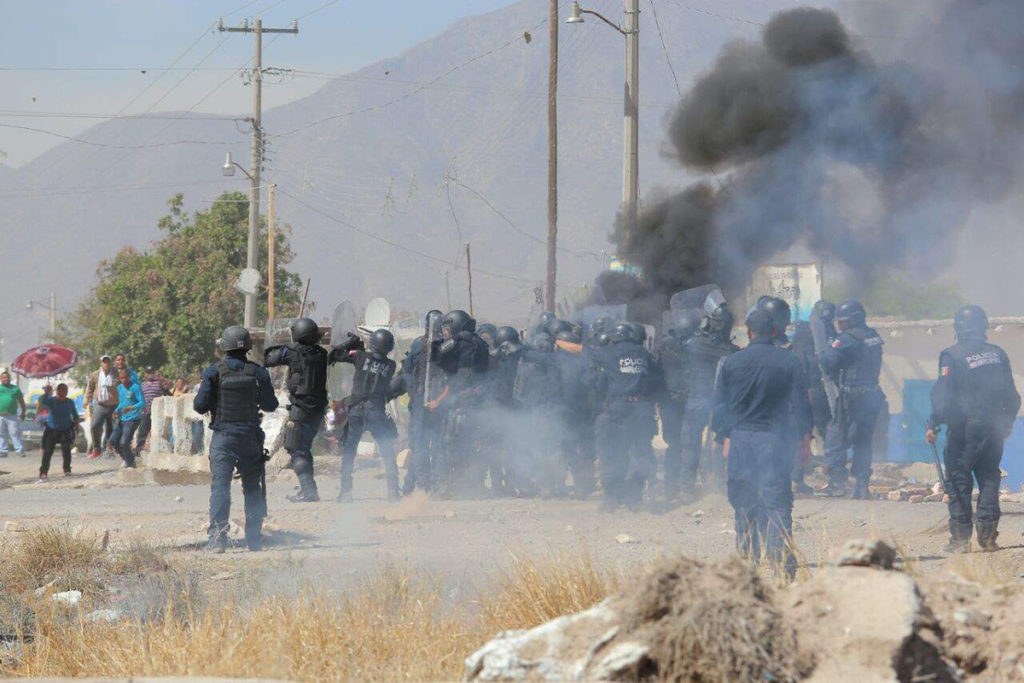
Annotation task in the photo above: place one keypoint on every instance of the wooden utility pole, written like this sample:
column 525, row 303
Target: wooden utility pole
column 469, row 277
column 256, row 164
column 271, row 242
column 552, row 266
column 305, row 293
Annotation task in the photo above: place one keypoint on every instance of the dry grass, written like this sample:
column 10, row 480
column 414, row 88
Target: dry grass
column 389, row 627
column 528, row 594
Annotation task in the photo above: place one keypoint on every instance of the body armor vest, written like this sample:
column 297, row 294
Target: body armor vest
column 237, row 395
column 307, row 372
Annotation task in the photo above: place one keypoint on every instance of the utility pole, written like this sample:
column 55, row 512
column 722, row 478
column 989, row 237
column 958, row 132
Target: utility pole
column 549, row 290
column 271, row 241
column 53, row 317
column 469, row 277
column 256, row 165
column 631, row 111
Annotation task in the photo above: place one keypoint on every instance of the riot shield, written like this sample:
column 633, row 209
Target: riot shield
column 589, row 314
column 821, row 344
column 706, row 298
column 433, row 333
column 339, row 378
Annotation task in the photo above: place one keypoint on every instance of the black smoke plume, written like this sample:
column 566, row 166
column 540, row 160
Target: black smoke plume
column 813, row 141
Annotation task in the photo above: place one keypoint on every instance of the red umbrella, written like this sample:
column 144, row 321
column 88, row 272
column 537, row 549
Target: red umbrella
column 44, row 361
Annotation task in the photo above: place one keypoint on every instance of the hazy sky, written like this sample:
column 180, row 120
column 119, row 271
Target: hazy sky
column 116, row 39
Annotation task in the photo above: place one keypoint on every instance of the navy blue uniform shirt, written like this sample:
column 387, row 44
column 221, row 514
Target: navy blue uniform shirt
column 761, row 388
column 206, row 396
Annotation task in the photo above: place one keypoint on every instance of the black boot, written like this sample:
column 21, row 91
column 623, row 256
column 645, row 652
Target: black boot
column 987, row 534
column 860, row 490
column 253, row 536
column 833, row 490
column 800, row 487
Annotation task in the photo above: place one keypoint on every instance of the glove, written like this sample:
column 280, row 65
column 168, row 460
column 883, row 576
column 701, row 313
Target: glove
column 352, row 343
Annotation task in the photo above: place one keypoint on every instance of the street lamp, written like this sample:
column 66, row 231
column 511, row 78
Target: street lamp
column 630, row 114
column 52, row 308
column 228, row 169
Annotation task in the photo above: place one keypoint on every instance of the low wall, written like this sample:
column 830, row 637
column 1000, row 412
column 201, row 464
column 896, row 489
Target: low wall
column 171, row 443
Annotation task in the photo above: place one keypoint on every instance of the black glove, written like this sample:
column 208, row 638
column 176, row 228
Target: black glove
column 352, row 343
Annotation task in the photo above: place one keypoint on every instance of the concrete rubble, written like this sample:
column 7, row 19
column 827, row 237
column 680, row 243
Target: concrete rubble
column 857, row 619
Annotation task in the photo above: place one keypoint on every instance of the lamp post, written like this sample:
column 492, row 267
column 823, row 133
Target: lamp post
column 52, row 308
column 228, row 169
column 630, row 112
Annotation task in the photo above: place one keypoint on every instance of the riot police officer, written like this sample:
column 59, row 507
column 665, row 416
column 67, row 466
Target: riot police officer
column 976, row 399
column 465, row 359
column 704, row 351
column 307, row 390
column 625, row 426
column 671, row 356
column 854, row 360
column 234, row 391
column 423, row 384
column 488, row 333
column 367, row 408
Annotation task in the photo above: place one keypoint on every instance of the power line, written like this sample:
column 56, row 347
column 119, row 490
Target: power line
column 321, row 7
column 112, row 146
column 396, row 245
column 24, row 113
column 409, row 94
column 25, row 193
column 664, row 49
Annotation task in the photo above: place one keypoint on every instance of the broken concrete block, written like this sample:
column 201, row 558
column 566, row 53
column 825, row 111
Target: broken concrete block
column 918, row 498
column 897, row 495
column 866, row 553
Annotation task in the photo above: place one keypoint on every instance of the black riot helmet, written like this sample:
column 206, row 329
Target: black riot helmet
column 382, row 342
column 602, row 338
column 556, row 327
column 718, row 324
column 506, row 335
column 639, row 333
column 622, row 332
column 305, row 331
column 851, row 313
column 546, row 318
column 487, row 332
column 235, row 338
column 826, row 310
column 779, row 311
column 970, row 322
column 570, row 336
column 602, row 324
column 433, row 317
column 685, row 323
column 458, row 321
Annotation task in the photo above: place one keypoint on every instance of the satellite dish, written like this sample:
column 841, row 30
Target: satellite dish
column 378, row 314
column 248, row 281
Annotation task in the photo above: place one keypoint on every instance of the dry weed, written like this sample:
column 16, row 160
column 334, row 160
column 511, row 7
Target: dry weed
column 66, row 558
column 529, row 593
column 391, row 626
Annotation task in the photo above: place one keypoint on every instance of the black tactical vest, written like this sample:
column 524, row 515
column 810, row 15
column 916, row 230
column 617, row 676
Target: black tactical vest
column 867, row 367
column 373, row 376
column 702, row 357
column 307, row 372
column 237, row 395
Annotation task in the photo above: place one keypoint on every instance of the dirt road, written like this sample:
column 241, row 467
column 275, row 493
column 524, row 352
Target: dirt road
column 458, row 540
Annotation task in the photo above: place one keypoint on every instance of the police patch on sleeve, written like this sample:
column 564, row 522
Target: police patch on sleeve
column 836, row 344
column 944, row 371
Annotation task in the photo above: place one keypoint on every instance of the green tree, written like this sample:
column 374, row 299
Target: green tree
column 165, row 306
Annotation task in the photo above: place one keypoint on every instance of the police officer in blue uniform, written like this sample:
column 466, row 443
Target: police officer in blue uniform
column 760, row 402
column 854, row 360
column 465, row 360
column 372, row 388
column 234, row 391
column 976, row 399
column 671, row 356
column 625, row 426
column 307, row 390
column 424, row 431
column 704, row 352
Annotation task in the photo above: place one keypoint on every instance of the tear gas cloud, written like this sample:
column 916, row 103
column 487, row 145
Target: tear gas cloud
column 816, row 142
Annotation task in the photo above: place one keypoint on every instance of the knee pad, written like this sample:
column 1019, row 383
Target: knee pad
column 301, row 465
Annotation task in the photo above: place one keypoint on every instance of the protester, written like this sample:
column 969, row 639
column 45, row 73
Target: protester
column 129, row 413
column 101, row 400
column 60, row 428
column 154, row 386
column 180, row 387
column 12, row 411
column 121, row 363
